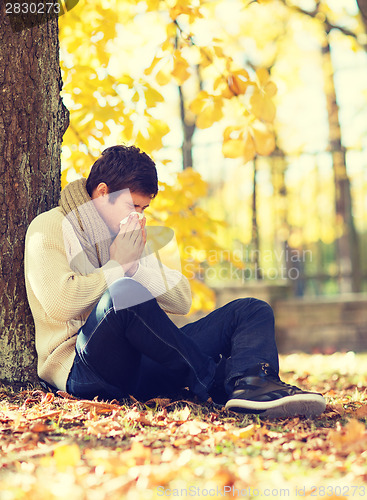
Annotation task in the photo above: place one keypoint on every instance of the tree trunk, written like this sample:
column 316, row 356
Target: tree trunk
column 32, row 123
column 255, row 227
column 347, row 238
column 362, row 4
column 188, row 132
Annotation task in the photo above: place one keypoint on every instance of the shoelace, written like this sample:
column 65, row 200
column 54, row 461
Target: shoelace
column 266, row 369
column 294, row 388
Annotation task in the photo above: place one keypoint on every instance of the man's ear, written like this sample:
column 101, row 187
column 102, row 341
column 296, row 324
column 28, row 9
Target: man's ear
column 100, row 190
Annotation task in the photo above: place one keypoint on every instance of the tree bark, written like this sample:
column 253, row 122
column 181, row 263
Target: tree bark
column 32, row 123
column 255, row 227
column 362, row 4
column 188, row 132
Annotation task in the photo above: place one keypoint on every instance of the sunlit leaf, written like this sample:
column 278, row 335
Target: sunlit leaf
column 67, row 455
column 152, row 97
column 208, row 109
column 238, row 82
column 264, row 140
column 249, row 148
column 154, row 63
column 180, row 68
column 270, row 89
column 262, row 106
column 262, row 75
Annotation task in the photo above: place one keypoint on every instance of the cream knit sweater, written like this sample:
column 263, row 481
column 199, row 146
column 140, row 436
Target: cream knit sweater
column 61, row 299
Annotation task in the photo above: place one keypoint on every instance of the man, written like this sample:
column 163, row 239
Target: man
column 99, row 303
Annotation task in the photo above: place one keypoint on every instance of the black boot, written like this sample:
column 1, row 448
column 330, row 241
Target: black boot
column 261, row 391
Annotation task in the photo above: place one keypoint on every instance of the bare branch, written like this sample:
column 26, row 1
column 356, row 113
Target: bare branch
column 329, row 26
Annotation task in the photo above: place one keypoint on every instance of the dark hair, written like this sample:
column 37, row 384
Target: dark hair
column 122, row 167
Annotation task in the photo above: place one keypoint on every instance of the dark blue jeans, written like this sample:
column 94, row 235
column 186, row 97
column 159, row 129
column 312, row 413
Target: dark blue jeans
column 134, row 348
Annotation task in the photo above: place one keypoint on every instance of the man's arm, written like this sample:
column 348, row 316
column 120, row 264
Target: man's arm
column 62, row 293
column 170, row 287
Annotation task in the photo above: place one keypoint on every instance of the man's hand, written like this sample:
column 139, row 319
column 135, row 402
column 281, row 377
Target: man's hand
column 128, row 245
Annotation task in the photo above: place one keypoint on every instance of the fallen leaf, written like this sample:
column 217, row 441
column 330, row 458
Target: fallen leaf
column 183, row 415
column 361, row 412
column 352, row 437
column 158, row 402
column 66, row 395
column 96, row 406
column 193, row 427
column 244, row 433
column 65, row 456
column 45, row 416
column 40, row 427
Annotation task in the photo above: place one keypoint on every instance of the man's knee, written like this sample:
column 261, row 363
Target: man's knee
column 127, row 292
column 104, row 304
column 258, row 306
column 263, row 306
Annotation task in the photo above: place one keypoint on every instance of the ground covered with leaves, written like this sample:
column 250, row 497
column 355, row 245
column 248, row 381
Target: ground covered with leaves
column 58, row 447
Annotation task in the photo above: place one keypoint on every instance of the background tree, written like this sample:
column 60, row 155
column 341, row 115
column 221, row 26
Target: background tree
column 323, row 19
column 362, row 4
column 346, row 242
column 32, row 122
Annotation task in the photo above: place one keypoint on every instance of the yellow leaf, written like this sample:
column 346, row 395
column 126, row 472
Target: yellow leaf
column 208, row 109
column 180, row 68
column 233, row 148
column 163, row 77
column 149, row 70
column 167, row 46
column 203, row 298
column 184, row 7
column 262, row 75
column 66, row 455
column 171, row 30
column 238, row 82
column 135, row 97
column 177, row 10
column 64, row 181
column 205, row 57
column 352, row 437
column 270, row 89
column 244, row 433
column 262, row 106
column 152, row 97
column 128, row 128
column 191, row 181
column 152, row 5
column 126, row 80
column 154, row 63
column 199, row 102
column 218, row 51
column 264, row 140
column 249, row 149
column 149, row 138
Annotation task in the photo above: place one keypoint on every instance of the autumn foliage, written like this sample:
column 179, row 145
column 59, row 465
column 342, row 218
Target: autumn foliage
column 113, row 98
column 250, row 76
column 131, row 449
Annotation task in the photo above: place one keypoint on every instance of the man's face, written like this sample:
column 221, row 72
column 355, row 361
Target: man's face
column 124, row 203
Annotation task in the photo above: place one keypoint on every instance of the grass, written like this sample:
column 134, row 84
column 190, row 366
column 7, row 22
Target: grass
column 54, row 447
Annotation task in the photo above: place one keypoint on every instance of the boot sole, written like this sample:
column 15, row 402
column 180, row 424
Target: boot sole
column 308, row 405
